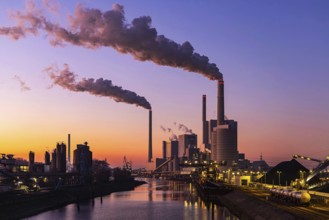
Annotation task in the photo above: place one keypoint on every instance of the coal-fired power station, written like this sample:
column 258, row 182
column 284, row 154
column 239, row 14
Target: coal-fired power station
column 221, row 138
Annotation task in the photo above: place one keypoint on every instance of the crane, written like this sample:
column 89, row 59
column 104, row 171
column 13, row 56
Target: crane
column 322, row 165
column 127, row 165
column 296, row 156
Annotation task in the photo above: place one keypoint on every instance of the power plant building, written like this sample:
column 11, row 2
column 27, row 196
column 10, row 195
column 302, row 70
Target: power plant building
column 82, row 162
column 31, row 160
column 212, row 124
column 47, row 158
column 82, row 158
column 61, row 157
column 186, row 141
column 170, row 149
column 222, row 134
column 58, row 158
column 53, row 161
column 224, row 150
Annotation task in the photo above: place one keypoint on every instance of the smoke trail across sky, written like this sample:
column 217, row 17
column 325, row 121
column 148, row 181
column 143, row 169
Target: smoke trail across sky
column 92, row 28
column 98, row 87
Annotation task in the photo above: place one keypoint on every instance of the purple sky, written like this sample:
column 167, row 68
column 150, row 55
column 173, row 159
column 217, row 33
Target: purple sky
column 274, row 56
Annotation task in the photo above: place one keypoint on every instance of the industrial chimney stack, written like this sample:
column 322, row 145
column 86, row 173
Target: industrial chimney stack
column 220, row 102
column 204, row 122
column 150, row 137
column 69, row 147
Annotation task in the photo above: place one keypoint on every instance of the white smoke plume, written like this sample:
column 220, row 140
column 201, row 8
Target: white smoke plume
column 173, row 136
column 98, row 87
column 22, row 84
column 185, row 129
column 92, row 28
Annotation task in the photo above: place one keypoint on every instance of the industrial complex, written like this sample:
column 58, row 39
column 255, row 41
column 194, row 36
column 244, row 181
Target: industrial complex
column 212, row 169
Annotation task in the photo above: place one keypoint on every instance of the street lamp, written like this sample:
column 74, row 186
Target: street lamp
column 279, row 172
column 301, row 174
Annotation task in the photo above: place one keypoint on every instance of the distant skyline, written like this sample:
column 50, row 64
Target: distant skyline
column 273, row 56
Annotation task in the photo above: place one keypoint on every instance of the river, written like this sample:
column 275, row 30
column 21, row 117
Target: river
column 158, row 199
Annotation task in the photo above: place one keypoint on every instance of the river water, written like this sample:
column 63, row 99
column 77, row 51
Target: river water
column 158, row 199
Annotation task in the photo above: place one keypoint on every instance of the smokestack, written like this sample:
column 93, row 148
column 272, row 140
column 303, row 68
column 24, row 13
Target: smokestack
column 204, row 120
column 150, row 137
column 220, row 102
column 204, row 106
column 69, row 148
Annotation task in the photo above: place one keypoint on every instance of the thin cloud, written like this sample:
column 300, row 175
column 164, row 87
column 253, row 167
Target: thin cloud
column 22, row 84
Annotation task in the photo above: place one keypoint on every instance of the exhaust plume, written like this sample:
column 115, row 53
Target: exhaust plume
column 173, row 136
column 92, row 28
column 98, row 87
column 185, row 129
column 22, row 84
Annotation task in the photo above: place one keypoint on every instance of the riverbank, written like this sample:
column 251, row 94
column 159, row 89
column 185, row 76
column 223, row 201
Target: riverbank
column 18, row 206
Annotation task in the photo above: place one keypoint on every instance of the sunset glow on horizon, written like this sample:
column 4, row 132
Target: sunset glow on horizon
column 273, row 57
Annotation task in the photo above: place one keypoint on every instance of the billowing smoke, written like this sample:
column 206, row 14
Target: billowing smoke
column 92, row 28
column 22, row 84
column 99, row 87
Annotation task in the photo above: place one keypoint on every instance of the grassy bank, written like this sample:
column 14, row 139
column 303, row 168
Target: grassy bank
column 17, row 206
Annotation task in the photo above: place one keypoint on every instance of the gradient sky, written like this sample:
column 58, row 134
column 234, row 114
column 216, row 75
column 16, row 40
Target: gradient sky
column 274, row 56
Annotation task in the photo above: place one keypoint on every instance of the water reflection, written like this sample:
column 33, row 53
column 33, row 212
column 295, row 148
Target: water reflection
column 158, row 199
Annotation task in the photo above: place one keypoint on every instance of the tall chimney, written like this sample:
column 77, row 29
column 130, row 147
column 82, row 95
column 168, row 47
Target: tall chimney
column 220, row 102
column 69, row 148
column 204, row 107
column 204, row 120
column 150, row 137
